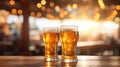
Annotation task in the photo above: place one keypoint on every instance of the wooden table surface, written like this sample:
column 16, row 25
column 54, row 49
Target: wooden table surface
column 38, row 61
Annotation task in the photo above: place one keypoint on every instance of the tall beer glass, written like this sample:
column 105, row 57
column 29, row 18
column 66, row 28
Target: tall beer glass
column 51, row 38
column 68, row 38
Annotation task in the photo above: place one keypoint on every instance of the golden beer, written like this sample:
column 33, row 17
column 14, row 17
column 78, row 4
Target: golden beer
column 51, row 39
column 69, row 39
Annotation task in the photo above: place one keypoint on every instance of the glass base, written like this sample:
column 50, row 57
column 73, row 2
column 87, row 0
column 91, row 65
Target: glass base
column 69, row 60
column 51, row 59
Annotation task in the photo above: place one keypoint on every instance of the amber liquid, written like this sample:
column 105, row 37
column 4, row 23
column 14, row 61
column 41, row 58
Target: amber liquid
column 69, row 43
column 51, row 40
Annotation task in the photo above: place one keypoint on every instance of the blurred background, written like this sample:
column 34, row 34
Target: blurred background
column 22, row 22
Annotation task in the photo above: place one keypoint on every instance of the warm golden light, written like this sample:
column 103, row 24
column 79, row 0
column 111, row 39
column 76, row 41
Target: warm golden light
column 2, row 19
column 61, row 15
column 72, row 16
column 49, row 16
column 20, row 11
column 14, row 11
column 118, row 7
column 65, row 12
column 43, row 2
column 97, row 16
column 12, row 2
column 39, row 14
column 52, row 4
column 110, row 17
column 7, row 12
column 68, row 5
column 43, row 8
column 50, row 64
column 115, row 12
column 38, row 5
column 57, row 8
column 32, row 13
column 101, row 4
column 74, row 6
column 67, row 65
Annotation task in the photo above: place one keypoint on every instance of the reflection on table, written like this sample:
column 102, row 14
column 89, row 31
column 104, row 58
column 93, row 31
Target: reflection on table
column 38, row 61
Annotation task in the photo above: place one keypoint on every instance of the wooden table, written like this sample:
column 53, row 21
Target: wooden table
column 38, row 61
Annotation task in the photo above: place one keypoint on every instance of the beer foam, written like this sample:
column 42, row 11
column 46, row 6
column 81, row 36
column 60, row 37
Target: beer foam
column 51, row 29
column 68, row 28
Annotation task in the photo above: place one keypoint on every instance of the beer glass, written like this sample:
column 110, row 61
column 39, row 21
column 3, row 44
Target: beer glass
column 68, row 38
column 51, row 38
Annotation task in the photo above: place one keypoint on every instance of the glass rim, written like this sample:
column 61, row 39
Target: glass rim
column 51, row 29
column 69, row 27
